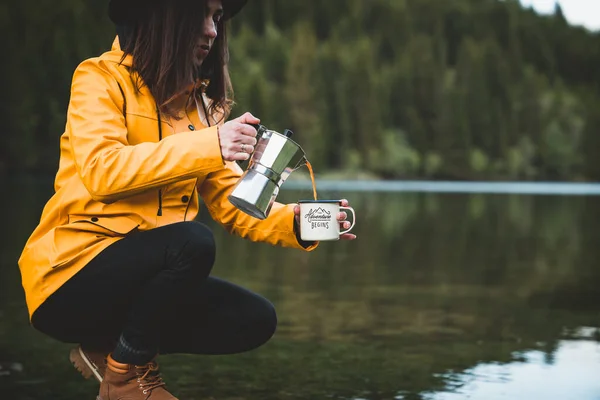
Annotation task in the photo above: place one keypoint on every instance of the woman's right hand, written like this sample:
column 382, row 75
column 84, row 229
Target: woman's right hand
column 238, row 138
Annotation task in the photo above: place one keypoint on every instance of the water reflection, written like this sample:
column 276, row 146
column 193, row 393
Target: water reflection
column 564, row 375
column 438, row 288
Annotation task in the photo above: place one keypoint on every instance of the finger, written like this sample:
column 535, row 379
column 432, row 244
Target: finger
column 297, row 214
column 248, row 140
column 248, row 118
column 344, row 202
column 247, row 130
column 348, row 236
column 342, row 216
column 345, row 225
column 246, row 148
column 239, row 156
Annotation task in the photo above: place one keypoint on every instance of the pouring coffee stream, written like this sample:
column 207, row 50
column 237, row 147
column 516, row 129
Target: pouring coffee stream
column 288, row 133
column 275, row 157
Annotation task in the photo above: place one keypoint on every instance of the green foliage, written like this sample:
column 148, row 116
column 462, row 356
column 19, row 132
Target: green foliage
column 479, row 161
column 395, row 157
column 405, row 88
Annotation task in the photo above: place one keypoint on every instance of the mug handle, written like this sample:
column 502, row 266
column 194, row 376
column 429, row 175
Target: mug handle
column 353, row 218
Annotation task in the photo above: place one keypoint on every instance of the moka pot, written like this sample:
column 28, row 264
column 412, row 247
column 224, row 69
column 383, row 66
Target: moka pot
column 275, row 157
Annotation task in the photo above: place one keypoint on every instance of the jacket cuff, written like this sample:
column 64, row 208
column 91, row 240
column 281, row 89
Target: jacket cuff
column 207, row 143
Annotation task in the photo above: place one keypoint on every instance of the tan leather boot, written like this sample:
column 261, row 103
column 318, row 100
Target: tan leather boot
column 132, row 382
column 89, row 363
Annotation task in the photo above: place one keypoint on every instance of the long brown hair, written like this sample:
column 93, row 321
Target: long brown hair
column 162, row 43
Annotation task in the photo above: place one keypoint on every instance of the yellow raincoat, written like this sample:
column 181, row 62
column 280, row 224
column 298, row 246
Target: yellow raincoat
column 115, row 174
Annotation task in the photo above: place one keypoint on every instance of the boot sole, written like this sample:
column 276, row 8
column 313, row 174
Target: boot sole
column 84, row 365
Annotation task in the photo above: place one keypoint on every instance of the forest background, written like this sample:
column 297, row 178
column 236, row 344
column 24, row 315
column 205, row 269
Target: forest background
column 388, row 89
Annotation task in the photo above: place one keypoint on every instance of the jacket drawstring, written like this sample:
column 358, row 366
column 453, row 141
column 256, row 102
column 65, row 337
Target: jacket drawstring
column 204, row 105
column 160, row 135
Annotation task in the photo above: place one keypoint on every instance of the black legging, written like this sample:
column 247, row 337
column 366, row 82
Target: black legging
column 154, row 288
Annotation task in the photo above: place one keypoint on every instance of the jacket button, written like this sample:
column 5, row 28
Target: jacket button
column 185, row 199
column 94, row 219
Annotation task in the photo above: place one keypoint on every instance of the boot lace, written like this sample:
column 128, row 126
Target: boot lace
column 148, row 377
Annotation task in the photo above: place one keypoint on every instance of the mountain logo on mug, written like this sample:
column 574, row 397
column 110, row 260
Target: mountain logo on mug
column 318, row 218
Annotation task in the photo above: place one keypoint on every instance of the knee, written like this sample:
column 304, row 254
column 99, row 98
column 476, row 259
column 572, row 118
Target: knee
column 196, row 247
column 268, row 319
column 263, row 324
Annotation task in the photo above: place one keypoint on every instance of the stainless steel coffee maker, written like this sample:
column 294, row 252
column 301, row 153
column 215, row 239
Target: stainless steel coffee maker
column 275, row 157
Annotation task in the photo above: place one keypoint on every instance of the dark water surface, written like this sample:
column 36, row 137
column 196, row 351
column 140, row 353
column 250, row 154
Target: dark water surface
column 444, row 296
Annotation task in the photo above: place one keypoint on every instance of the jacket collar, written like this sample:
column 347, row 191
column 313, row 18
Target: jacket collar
column 116, row 54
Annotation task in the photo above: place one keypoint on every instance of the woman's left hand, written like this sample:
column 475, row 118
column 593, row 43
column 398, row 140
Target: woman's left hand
column 342, row 216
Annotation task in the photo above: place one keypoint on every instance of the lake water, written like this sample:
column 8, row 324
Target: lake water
column 444, row 296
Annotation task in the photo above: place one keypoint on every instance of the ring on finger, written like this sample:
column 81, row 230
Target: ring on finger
column 243, row 148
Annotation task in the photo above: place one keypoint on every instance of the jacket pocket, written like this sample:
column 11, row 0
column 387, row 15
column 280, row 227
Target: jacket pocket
column 101, row 225
column 69, row 242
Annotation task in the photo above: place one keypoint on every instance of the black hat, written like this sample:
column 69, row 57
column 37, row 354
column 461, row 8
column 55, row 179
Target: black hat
column 123, row 12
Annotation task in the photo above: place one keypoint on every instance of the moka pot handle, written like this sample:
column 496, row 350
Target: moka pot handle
column 260, row 128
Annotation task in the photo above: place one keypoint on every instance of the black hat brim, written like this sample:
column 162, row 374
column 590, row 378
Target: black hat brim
column 123, row 12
